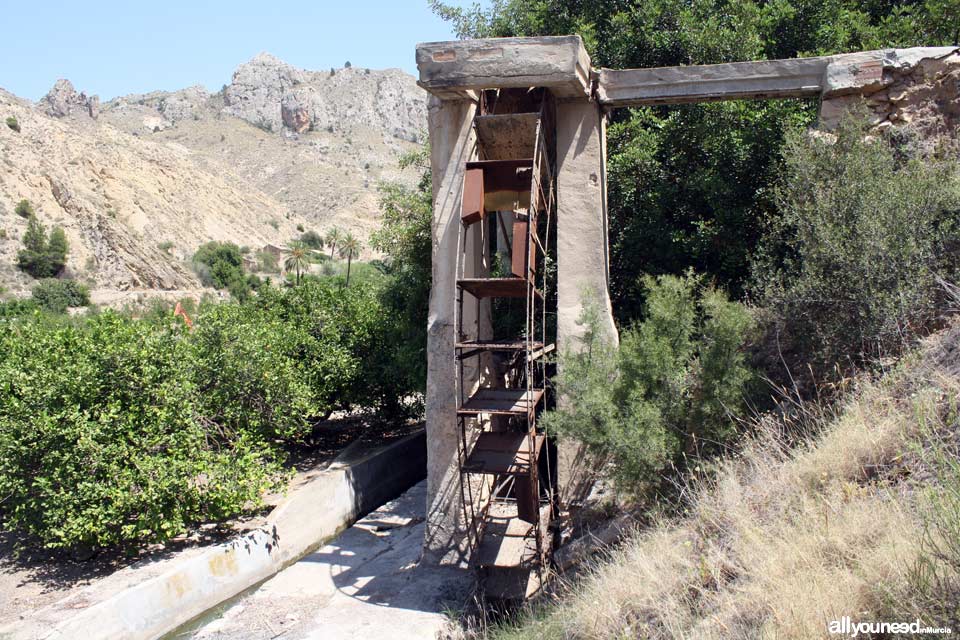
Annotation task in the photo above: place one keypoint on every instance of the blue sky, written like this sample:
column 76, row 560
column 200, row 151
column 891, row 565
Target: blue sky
column 113, row 48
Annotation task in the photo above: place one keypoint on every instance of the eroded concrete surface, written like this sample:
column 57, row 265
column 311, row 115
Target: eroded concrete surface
column 364, row 584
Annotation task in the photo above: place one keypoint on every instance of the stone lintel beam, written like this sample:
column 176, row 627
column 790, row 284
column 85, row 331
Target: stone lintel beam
column 797, row 78
column 827, row 76
column 459, row 68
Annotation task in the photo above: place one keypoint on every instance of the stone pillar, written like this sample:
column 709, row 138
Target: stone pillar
column 582, row 254
column 452, row 145
column 582, row 250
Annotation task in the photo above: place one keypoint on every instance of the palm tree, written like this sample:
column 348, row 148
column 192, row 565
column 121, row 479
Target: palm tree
column 333, row 238
column 297, row 260
column 349, row 248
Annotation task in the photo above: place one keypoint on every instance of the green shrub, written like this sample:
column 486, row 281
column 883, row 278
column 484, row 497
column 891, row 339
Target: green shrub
column 115, row 430
column 165, row 246
column 297, row 354
column 57, row 296
column 57, row 248
column 13, row 123
column 668, row 392
column 344, row 322
column 18, row 307
column 101, row 440
column 24, row 209
column 312, row 239
column 849, row 267
column 246, row 360
column 42, row 256
column 404, row 236
column 220, row 265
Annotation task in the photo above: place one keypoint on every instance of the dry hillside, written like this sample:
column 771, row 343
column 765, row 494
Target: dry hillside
column 860, row 520
column 119, row 198
column 318, row 142
column 139, row 182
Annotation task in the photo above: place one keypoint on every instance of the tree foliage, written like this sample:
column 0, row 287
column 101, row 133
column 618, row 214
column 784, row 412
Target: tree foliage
column 24, row 209
column 56, row 296
column 297, row 260
column 690, row 186
column 333, row 238
column 267, row 262
column 404, row 236
column 349, row 249
column 43, row 255
column 312, row 239
column 120, row 430
column 101, row 439
column 220, row 265
column 849, row 265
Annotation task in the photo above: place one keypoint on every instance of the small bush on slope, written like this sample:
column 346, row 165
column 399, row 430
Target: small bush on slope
column 783, row 540
column 24, row 209
column 57, row 296
column 42, row 256
column 312, row 239
column 220, row 265
column 667, row 391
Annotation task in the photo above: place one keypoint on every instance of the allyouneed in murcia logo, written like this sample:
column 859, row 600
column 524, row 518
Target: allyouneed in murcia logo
column 846, row 626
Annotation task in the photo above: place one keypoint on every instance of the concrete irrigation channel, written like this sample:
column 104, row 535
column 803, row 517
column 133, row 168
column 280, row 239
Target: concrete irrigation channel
column 365, row 583
column 354, row 485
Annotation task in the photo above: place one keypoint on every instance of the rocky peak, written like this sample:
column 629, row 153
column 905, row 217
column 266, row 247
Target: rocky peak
column 257, row 87
column 157, row 110
column 63, row 100
column 274, row 95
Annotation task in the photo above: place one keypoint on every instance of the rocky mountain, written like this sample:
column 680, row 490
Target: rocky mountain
column 272, row 94
column 139, row 182
column 317, row 141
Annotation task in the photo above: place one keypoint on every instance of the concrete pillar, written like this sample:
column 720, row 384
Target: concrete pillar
column 582, row 255
column 452, row 145
column 582, row 250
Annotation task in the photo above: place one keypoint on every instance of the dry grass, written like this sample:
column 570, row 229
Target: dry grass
column 782, row 541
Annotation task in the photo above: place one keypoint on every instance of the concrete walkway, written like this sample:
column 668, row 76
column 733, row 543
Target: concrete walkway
column 364, row 584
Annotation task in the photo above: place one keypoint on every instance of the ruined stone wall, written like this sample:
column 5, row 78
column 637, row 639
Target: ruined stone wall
column 919, row 90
